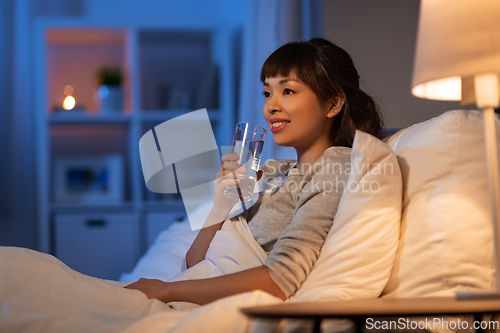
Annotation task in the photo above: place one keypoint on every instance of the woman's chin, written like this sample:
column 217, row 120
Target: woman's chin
column 282, row 143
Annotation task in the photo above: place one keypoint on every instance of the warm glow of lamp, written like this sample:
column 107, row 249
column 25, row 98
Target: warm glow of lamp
column 457, row 57
column 447, row 89
column 69, row 103
column 456, row 40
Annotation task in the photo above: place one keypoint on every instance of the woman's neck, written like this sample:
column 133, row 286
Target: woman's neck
column 306, row 157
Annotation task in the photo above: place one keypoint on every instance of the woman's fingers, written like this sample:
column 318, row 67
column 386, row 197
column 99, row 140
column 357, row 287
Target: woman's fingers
column 229, row 170
column 229, row 164
column 232, row 166
column 229, row 179
column 229, row 157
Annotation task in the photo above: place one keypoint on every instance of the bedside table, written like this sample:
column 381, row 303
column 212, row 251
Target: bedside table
column 359, row 311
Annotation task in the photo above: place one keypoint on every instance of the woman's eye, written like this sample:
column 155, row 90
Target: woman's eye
column 266, row 94
column 287, row 91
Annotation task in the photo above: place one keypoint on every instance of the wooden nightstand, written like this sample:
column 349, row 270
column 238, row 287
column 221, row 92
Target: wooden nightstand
column 359, row 311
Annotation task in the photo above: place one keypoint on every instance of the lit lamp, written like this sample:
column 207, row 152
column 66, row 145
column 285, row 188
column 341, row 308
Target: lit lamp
column 457, row 57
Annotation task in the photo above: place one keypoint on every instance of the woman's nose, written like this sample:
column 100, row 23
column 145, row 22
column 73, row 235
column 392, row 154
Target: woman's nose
column 274, row 104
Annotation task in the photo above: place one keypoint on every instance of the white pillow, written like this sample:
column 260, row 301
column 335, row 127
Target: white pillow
column 446, row 233
column 358, row 254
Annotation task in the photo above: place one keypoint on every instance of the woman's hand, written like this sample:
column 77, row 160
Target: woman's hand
column 229, row 173
column 222, row 206
column 203, row 291
column 220, row 210
column 152, row 288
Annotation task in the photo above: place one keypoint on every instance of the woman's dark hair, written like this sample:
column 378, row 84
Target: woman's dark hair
column 329, row 71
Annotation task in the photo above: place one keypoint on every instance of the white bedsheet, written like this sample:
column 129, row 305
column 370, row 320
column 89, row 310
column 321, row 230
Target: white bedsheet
column 41, row 294
column 163, row 259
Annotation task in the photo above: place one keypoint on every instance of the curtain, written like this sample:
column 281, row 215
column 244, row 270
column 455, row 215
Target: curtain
column 17, row 181
column 22, row 156
column 18, row 146
column 6, row 54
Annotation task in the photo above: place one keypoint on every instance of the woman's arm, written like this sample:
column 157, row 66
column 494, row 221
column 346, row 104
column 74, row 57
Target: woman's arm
column 199, row 248
column 218, row 214
column 204, row 291
column 227, row 176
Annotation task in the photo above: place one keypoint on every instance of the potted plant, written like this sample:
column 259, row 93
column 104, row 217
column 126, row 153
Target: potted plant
column 111, row 93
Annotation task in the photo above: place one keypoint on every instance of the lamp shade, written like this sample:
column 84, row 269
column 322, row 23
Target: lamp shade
column 456, row 40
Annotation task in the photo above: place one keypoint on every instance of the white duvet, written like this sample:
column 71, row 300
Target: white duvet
column 41, row 294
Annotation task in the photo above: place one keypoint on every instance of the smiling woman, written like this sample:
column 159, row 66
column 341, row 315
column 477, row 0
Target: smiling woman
column 328, row 72
column 297, row 118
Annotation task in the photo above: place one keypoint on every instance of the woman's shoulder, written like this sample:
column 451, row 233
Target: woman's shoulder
column 334, row 161
column 337, row 151
column 335, row 155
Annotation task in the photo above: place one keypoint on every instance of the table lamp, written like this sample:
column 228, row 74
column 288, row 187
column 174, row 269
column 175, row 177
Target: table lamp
column 457, row 57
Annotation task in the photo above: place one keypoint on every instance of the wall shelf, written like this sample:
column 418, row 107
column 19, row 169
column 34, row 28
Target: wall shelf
column 169, row 71
column 64, row 208
column 164, row 115
column 80, row 118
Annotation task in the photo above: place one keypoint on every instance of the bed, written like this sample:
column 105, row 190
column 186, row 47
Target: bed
column 424, row 231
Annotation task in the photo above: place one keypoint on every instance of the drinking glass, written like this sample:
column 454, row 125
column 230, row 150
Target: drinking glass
column 248, row 142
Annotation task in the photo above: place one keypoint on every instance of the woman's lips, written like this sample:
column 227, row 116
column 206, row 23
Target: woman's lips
column 279, row 128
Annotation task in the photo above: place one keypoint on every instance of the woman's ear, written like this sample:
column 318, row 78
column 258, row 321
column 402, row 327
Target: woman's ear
column 336, row 105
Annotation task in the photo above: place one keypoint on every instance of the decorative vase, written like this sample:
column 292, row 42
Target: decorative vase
column 111, row 97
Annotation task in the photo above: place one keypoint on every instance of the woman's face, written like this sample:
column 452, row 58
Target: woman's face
column 294, row 114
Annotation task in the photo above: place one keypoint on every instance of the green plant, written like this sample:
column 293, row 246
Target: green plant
column 109, row 75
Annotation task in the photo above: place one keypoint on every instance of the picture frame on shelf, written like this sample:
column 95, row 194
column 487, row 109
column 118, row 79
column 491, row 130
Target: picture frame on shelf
column 96, row 179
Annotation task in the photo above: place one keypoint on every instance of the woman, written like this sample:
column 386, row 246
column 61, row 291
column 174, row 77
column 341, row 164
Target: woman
column 312, row 103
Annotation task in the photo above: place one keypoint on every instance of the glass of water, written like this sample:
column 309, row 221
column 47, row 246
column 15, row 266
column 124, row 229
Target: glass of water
column 248, row 142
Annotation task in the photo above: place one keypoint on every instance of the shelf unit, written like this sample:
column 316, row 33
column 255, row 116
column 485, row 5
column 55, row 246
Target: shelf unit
column 169, row 70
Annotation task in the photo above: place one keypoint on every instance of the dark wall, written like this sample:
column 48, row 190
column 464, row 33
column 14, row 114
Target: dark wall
column 380, row 35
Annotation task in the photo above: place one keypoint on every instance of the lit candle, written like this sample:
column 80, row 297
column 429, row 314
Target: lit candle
column 69, row 103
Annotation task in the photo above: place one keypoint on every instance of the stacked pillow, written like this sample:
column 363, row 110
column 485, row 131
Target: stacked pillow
column 356, row 259
column 446, row 231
